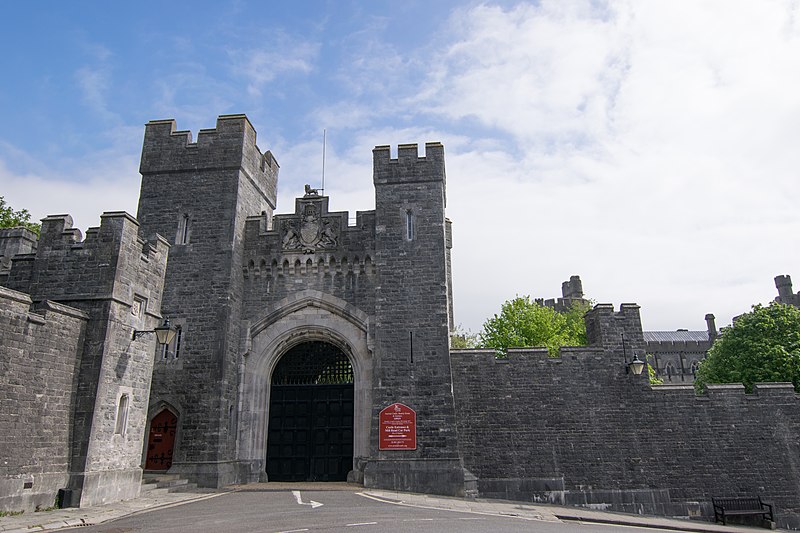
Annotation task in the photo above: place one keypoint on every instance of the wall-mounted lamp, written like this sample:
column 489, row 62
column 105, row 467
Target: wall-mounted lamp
column 164, row 333
column 636, row 366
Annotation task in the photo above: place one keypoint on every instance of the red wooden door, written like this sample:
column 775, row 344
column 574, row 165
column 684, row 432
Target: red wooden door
column 161, row 441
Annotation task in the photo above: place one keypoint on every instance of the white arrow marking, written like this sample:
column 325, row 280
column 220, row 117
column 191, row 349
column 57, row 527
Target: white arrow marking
column 312, row 503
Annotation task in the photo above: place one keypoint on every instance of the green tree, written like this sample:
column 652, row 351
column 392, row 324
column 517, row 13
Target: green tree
column 12, row 219
column 762, row 345
column 523, row 322
column 651, row 371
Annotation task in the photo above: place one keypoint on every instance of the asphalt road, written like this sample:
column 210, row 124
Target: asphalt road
column 283, row 510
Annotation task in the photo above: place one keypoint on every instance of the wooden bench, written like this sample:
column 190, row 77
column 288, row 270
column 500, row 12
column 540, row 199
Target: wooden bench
column 725, row 507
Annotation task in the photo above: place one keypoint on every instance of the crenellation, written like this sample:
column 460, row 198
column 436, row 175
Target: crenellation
column 579, row 429
column 409, row 166
column 786, row 293
column 98, row 277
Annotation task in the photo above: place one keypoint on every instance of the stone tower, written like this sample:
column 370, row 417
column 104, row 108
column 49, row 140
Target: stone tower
column 274, row 308
column 198, row 194
column 412, row 318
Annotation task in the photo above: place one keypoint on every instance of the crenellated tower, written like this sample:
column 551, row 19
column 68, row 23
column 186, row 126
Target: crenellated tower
column 412, row 320
column 90, row 440
column 199, row 194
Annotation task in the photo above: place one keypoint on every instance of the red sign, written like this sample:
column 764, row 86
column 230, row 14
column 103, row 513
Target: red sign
column 398, row 426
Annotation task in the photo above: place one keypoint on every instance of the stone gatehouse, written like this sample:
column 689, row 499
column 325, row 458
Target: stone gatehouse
column 300, row 335
column 248, row 288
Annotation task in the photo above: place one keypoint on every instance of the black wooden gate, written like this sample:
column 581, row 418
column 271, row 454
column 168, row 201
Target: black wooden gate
column 310, row 436
column 310, row 433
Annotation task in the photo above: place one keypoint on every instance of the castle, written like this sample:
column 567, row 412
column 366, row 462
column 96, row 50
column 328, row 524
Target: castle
column 309, row 348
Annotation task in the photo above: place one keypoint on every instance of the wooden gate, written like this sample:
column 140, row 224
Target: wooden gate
column 310, row 435
column 161, row 441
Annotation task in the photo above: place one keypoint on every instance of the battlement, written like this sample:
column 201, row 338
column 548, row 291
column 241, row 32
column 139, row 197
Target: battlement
column 229, row 146
column 15, row 241
column 409, row 167
column 64, row 266
column 616, row 330
column 579, row 365
column 678, row 346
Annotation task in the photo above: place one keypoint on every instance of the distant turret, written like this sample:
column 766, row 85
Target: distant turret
column 571, row 293
column 785, row 295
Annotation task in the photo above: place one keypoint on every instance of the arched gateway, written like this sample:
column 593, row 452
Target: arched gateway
column 310, row 435
column 307, row 390
column 252, row 289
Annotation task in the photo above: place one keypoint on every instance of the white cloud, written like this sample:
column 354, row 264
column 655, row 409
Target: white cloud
column 282, row 55
column 84, row 187
column 650, row 147
column 85, row 200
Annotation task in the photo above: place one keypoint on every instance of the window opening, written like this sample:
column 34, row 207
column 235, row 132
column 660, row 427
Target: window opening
column 409, row 225
column 183, row 230
column 122, row 415
column 177, row 341
column 173, row 348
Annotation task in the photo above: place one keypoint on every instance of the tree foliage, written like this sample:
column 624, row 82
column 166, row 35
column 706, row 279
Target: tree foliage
column 12, row 219
column 761, row 346
column 651, row 371
column 462, row 339
column 523, row 322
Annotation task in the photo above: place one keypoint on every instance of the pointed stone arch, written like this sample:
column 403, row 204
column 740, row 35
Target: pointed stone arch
column 156, row 410
column 308, row 315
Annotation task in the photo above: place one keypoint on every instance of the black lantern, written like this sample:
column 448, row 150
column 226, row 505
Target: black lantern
column 164, row 333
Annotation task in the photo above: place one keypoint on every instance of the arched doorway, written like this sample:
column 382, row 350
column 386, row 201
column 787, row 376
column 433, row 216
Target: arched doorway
column 161, row 441
column 311, row 415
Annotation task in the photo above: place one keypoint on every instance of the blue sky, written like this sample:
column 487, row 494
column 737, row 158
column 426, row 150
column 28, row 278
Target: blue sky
column 650, row 147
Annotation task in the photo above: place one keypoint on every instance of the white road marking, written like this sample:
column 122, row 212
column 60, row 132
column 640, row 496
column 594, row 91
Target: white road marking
column 300, row 501
column 293, row 530
column 470, row 511
column 362, row 524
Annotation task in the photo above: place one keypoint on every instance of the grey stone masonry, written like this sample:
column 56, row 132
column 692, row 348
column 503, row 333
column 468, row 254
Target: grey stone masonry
column 200, row 195
column 116, row 278
column 580, row 430
column 412, row 320
column 39, row 355
column 317, row 284
column 785, row 292
column 246, row 285
column 14, row 241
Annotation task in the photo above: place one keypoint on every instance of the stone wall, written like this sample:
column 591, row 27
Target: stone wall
column 116, row 278
column 200, row 194
column 344, row 267
column 412, row 320
column 579, row 430
column 39, row 354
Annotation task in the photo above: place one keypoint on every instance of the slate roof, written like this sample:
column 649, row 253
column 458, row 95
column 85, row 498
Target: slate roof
column 675, row 336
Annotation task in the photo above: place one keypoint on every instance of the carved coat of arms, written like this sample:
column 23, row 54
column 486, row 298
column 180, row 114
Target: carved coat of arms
column 310, row 232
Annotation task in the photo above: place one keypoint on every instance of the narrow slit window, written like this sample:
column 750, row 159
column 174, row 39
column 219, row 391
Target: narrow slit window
column 177, row 342
column 122, row 415
column 183, row 230
column 409, row 225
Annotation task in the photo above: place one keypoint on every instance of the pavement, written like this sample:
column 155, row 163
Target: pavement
column 149, row 501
